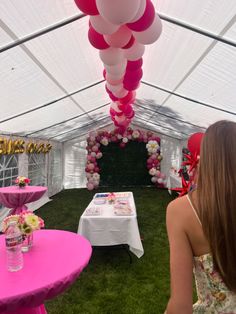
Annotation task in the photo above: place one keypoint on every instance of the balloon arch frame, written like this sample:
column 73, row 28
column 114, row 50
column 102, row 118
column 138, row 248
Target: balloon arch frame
column 96, row 139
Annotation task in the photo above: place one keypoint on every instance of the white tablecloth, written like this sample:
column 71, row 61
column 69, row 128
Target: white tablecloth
column 110, row 229
column 173, row 181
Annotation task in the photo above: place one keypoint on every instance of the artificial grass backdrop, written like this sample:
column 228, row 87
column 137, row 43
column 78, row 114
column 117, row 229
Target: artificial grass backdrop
column 110, row 284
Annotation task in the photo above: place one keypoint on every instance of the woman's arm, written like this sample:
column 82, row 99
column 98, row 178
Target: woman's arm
column 181, row 261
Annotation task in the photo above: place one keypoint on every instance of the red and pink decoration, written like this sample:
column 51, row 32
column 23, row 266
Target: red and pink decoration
column 192, row 160
column 120, row 30
column 102, row 138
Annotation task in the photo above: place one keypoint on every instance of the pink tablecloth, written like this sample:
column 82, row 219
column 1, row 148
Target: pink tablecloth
column 54, row 262
column 16, row 198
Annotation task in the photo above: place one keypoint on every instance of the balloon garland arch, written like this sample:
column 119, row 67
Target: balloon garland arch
column 97, row 139
column 120, row 29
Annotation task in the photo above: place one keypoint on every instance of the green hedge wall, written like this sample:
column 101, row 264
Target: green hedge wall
column 124, row 166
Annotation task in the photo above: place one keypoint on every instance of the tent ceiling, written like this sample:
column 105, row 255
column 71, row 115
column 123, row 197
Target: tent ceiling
column 47, row 83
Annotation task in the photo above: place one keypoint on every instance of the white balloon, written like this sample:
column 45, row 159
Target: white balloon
column 140, row 12
column 121, row 93
column 114, row 88
column 118, row 11
column 111, row 56
column 135, row 52
column 118, row 69
column 114, row 80
column 151, row 34
column 102, row 26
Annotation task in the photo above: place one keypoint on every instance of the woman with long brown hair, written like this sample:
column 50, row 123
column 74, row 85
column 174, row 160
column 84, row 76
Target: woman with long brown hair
column 202, row 230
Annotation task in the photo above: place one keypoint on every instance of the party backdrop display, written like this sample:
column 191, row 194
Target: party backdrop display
column 97, row 145
column 132, row 160
column 120, row 30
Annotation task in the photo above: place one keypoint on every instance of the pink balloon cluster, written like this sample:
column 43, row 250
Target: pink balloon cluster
column 120, row 29
column 98, row 139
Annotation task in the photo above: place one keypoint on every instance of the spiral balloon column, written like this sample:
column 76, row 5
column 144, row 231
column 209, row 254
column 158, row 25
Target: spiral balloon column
column 120, row 29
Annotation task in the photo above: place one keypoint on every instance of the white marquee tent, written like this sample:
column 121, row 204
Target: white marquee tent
column 52, row 88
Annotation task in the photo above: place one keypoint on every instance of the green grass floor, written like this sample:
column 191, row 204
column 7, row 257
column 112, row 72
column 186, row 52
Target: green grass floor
column 110, row 284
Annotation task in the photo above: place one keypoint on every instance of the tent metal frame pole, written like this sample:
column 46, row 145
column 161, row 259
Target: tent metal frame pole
column 83, row 126
column 70, row 119
column 187, row 98
column 71, row 139
column 197, row 30
column 42, row 32
column 164, row 127
column 170, row 117
column 79, row 16
column 52, row 102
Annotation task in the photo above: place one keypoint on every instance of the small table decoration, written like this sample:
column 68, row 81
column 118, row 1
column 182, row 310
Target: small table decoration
column 27, row 222
column 22, row 181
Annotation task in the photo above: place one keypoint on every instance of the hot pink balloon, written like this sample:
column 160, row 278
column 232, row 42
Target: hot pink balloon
column 130, row 86
column 134, row 65
column 128, row 99
column 146, row 20
column 102, row 26
column 120, row 38
column 113, row 97
column 118, row 12
column 151, row 34
column 133, row 76
column 96, row 39
column 87, row 6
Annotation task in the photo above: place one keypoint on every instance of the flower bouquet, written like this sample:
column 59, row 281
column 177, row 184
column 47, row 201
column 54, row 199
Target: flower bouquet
column 22, row 181
column 111, row 198
column 27, row 222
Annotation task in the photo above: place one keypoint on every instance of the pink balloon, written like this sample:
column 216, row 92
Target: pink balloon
column 87, row 6
column 130, row 43
column 96, row 39
column 90, row 186
column 140, row 11
column 146, row 20
column 111, row 56
column 120, row 38
column 151, row 34
column 134, row 65
column 127, row 109
column 110, row 79
column 118, row 12
column 134, row 53
column 114, row 88
column 115, row 106
column 120, row 119
column 102, row 26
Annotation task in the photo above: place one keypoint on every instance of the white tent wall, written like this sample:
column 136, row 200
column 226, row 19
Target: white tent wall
column 42, row 169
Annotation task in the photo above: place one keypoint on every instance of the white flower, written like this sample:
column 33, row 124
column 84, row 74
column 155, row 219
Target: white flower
column 125, row 140
column 93, row 154
column 96, row 176
column 88, row 175
column 152, row 147
column 154, row 179
column 104, row 141
column 99, row 155
column 153, row 171
column 136, row 134
column 119, row 136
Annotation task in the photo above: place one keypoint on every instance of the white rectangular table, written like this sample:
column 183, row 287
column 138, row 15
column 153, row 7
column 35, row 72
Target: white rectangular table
column 109, row 229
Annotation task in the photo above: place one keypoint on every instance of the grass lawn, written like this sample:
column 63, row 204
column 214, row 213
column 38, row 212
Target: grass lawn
column 110, row 284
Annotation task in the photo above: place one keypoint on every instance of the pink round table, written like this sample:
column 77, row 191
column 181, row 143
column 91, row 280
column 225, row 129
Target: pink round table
column 16, row 198
column 54, row 262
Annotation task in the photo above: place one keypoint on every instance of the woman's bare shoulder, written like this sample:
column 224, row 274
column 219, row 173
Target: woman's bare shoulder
column 179, row 207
